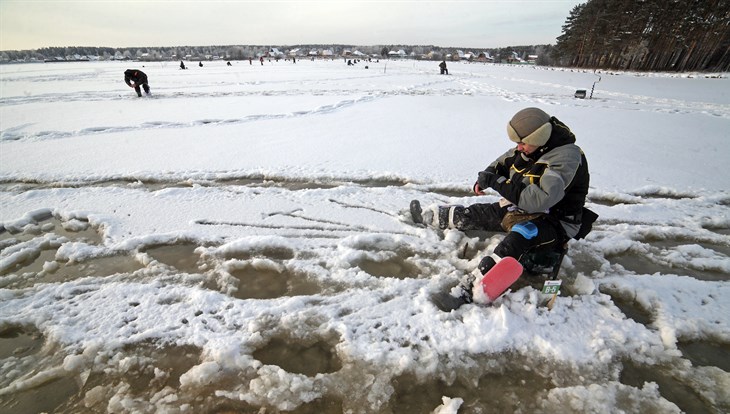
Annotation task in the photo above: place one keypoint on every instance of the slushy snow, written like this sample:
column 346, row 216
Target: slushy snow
column 306, row 171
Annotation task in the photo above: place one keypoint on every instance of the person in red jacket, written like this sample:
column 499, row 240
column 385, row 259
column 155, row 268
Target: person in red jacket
column 135, row 78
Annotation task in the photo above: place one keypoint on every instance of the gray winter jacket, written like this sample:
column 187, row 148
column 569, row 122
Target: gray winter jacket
column 554, row 179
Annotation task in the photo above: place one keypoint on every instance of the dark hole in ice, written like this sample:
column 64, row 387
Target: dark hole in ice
column 296, row 357
column 670, row 387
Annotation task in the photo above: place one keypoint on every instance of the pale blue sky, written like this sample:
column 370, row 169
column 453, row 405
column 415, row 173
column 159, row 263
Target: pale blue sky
column 31, row 24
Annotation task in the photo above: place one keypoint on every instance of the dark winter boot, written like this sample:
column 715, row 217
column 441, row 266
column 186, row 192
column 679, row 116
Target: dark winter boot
column 452, row 217
column 419, row 215
column 486, row 264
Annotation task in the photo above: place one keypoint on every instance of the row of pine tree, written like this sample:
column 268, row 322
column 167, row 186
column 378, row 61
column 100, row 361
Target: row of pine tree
column 647, row 35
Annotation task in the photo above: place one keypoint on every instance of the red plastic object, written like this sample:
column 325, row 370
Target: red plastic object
column 500, row 277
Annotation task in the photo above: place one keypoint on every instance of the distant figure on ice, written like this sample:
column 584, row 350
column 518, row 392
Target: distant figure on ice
column 250, row 61
column 182, row 65
column 261, row 59
column 228, row 64
column 200, row 64
column 134, row 78
column 543, row 180
column 442, row 65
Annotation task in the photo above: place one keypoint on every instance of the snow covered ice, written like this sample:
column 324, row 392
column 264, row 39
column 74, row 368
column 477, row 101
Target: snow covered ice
column 240, row 241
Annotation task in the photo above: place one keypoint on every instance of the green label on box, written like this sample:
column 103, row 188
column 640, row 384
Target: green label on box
column 551, row 287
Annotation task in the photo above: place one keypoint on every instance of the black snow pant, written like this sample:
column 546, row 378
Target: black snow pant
column 144, row 85
column 489, row 217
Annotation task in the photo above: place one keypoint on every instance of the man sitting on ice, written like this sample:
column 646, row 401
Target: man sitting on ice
column 543, row 182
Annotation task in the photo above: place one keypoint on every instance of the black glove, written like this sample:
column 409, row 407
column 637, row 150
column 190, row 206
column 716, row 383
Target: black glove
column 487, row 179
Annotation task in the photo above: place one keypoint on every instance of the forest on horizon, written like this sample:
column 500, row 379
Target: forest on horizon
column 637, row 35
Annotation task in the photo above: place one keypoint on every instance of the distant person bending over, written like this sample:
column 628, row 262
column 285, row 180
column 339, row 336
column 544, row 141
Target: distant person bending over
column 182, row 65
column 442, row 65
column 134, row 78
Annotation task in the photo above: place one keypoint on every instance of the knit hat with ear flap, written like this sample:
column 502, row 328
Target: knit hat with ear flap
column 530, row 126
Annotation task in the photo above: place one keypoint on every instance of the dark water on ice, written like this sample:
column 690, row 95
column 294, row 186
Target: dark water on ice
column 503, row 383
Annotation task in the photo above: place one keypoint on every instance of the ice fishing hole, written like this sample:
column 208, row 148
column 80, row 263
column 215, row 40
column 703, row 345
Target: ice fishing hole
column 262, row 281
column 19, row 341
column 296, row 357
column 705, row 354
column 670, row 387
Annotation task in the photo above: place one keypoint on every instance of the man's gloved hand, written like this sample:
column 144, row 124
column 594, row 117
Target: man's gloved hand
column 487, row 179
column 477, row 189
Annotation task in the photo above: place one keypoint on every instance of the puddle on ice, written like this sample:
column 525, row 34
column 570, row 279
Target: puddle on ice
column 707, row 354
column 44, row 269
column 180, row 256
column 632, row 310
column 18, row 341
column 257, row 282
column 295, row 357
column 270, row 252
column 644, row 266
column 49, row 397
column 143, row 372
column 77, row 230
column 670, row 244
column 396, row 267
column 318, row 406
column 509, row 392
column 671, row 388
